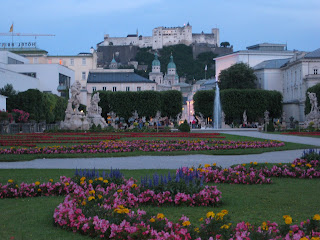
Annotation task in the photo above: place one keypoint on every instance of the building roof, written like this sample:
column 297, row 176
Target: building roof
column 116, row 77
column 171, row 64
column 314, row 54
column 269, row 45
column 271, row 64
column 156, row 61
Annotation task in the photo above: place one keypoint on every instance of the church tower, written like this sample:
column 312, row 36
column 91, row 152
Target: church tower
column 171, row 77
column 156, row 75
column 113, row 64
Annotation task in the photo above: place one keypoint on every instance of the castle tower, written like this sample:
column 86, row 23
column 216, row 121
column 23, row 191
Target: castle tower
column 215, row 31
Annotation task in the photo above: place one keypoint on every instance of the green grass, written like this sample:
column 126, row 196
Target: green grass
column 288, row 146
column 31, row 218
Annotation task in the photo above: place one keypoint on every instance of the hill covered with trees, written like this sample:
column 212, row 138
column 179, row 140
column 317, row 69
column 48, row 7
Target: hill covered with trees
column 191, row 69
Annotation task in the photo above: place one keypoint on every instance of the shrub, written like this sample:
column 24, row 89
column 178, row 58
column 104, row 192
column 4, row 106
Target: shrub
column 184, row 127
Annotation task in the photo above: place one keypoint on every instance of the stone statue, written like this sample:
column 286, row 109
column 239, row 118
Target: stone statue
column 223, row 117
column 266, row 116
column 94, row 112
column 135, row 115
column 313, row 102
column 244, row 117
column 313, row 118
column 201, row 120
column 178, row 118
column 75, row 120
column 75, row 95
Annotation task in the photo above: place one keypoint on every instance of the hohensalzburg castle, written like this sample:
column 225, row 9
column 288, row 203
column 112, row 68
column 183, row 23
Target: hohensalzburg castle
column 165, row 36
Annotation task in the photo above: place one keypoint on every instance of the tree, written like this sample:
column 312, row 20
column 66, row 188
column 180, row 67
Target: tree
column 224, row 44
column 8, row 90
column 238, row 76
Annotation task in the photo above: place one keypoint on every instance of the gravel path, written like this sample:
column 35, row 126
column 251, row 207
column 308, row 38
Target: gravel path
column 172, row 162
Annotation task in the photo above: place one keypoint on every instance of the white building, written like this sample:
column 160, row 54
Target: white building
column 252, row 56
column 81, row 64
column 18, row 71
column 164, row 36
column 117, row 80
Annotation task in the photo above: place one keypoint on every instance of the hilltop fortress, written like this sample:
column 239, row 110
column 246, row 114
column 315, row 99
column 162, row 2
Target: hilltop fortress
column 165, row 36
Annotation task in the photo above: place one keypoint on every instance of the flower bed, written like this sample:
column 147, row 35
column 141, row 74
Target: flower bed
column 25, row 139
column 102, row 207
column 111, row 146
column 256, row 174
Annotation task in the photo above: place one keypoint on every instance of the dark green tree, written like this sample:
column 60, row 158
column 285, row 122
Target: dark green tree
column 8, row 90
column 171, row 103
column 224, row 44
column 238, row 76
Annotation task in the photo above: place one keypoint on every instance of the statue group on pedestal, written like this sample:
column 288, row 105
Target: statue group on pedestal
column 77, row 120
column 313, row 118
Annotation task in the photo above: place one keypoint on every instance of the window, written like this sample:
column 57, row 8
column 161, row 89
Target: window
column 104, row 88
column 35, row 60
column 127, row 89
column 94, row 89
column 30, row 74
column 315, row 71
column 114, row 89
column 138, row 89
column 83, row 76
column 84, row 62
column 71, row 62
column 14, row 61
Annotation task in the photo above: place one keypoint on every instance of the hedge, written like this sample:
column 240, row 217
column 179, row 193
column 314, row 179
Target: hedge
column 147, row 103
column 234, row 102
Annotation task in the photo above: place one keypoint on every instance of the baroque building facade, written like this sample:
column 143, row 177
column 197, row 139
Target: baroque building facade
column 164, row 36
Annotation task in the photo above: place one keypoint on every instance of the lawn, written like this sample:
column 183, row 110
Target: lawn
column 26, row 141
column 31, row 218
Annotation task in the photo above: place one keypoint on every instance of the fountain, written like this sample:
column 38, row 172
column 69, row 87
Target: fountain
column 217, row 109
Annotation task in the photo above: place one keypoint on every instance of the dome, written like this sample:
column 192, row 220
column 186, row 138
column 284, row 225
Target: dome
column 171, row 63
column 155, row 62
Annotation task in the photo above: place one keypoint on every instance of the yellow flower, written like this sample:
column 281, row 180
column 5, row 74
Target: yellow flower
column 196, row 230
column 90, row 181
column 225, row 212
column 264, row 226
column 304, row 238
column 99, row 196
column 316, row 217
column 37, row 183
column 10, row 181
column 210, row 214
column 201, row 219
column 91, row 198
column 92, row 192
column 134, row 185
column 119, row 190
column 288, row 220
column 100, row 178
column 50, row 180
column 67, row 184
column 225, row 170
column 308, row 165
column 186, row 223
column 39, row 190
column 83, row 203
column 214, row 164
column 243, row 164
column 292, row 165
column 225, row 226
column 255, row 163
column 17, row 185
column 160, row 216
column 191, row 169
column 219, row 216
column 82, row 179
column 152, row 220
column 207, row 165
column 105, row 181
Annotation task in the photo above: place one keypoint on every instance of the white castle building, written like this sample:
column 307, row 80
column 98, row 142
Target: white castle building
column 164, row 36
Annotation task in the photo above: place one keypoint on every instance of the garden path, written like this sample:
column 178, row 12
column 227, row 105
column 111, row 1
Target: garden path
column 154, row 162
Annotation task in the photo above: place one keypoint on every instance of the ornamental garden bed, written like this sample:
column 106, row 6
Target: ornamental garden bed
column 111, row 207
